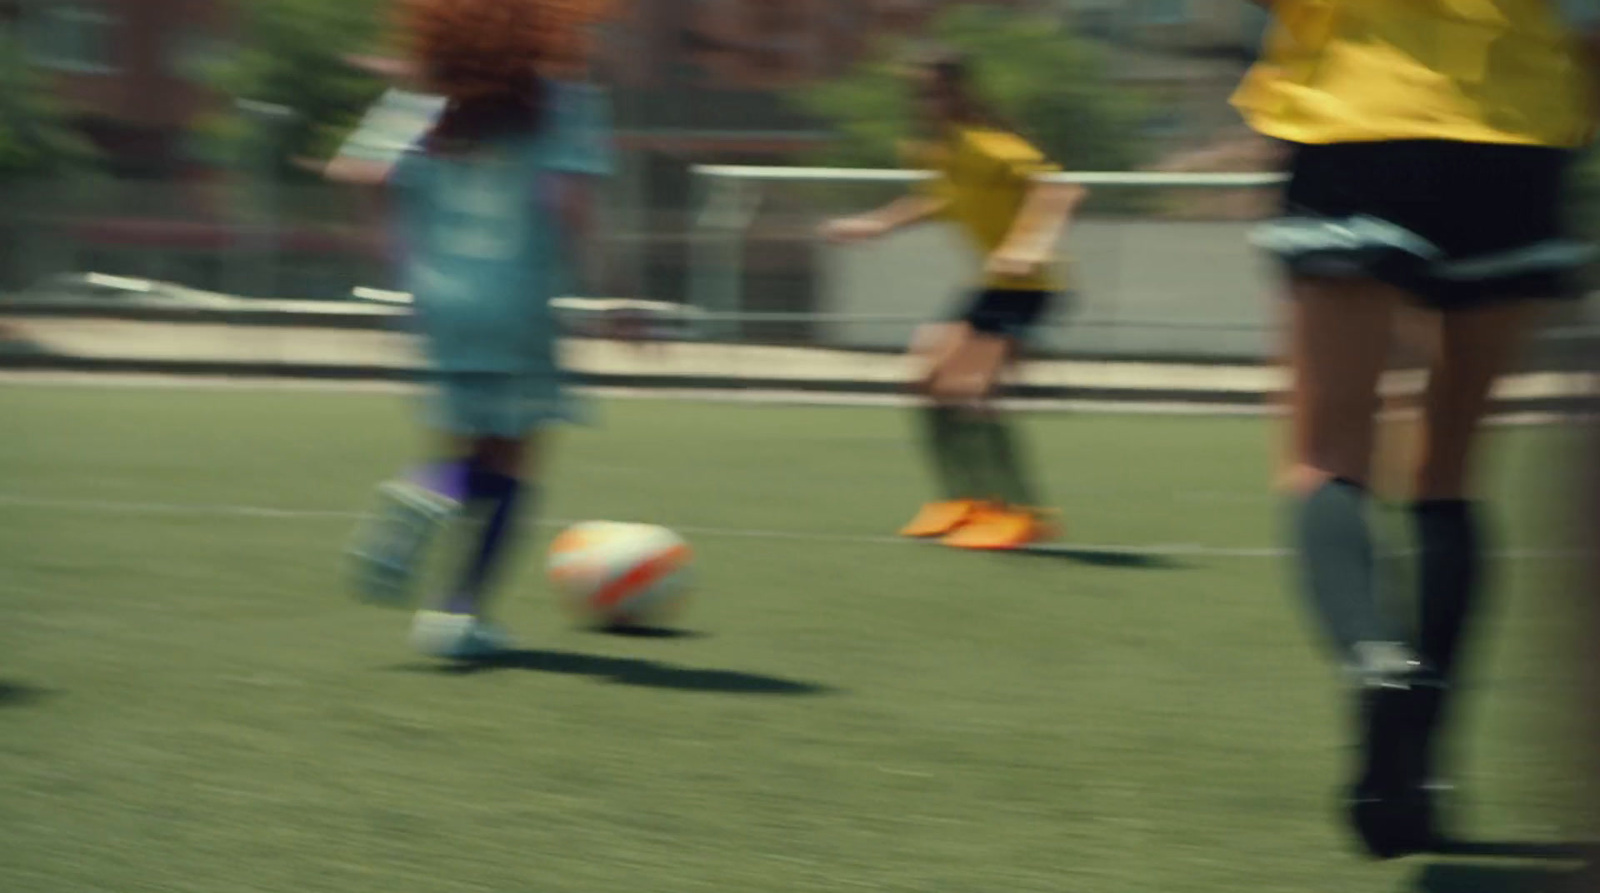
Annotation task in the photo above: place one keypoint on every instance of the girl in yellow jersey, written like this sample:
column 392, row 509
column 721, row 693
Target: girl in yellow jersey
column 985, row 183
column 1430, row 140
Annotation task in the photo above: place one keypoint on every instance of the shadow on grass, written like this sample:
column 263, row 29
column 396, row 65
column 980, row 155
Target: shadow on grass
column 632, row 671
column 1123, row 558
column 1536, row 868
column 16, row 694
column 650, row 632
column 1549, row 852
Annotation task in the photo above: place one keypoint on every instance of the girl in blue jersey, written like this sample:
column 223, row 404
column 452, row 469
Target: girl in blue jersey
column 490, row 205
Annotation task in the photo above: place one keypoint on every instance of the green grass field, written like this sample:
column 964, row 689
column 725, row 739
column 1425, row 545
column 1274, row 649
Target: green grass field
column 190, row 702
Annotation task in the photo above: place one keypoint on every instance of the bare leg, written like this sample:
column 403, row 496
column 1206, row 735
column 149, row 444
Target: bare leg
column 1400, row 428
column 1478, row 347
column 1339, row 347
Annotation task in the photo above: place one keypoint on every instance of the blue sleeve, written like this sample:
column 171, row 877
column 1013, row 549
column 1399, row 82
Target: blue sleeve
column 405, row 178
column 581, row 135
column 406, row 189
column 395, row 122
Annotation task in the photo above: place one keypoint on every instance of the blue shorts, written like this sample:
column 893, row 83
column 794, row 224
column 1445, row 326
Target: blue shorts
column 491, row 404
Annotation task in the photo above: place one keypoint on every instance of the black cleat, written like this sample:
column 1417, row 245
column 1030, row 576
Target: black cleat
column 1392, row 804
column 1392, row 825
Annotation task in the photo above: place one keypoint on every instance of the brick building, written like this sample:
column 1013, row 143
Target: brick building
column 124, row 68
column 708, row 66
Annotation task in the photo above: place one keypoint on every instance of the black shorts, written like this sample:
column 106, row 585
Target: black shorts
column 1455, row 224
column 1008, row 313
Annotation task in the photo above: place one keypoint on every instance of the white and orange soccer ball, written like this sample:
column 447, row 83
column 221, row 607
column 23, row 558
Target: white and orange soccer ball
column 621, row 575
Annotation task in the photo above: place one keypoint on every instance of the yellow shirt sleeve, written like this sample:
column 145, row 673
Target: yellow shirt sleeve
column 990, row 177
column 1005, row 156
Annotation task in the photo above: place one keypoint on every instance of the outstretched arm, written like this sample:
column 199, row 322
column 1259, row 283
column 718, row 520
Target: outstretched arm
column 392, row 126
column 903, row 212
column 1046, row 214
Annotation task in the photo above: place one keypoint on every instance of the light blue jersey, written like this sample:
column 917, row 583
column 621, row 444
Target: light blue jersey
column 392, row 126
column 484, row 248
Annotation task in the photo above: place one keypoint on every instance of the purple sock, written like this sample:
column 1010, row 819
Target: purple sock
column 493, row 499
column 452, row 478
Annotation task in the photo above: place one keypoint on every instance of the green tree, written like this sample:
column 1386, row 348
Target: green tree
column 36, row 137
column 1034, row 72
column 292, row 53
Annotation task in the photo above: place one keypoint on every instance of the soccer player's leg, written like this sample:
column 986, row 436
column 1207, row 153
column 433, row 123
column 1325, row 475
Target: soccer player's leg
column 1339, row 353
column 499, row 495
column 946, row 436
column 1359, row 237
column 1013, row 517
column 391, row 547
column 1400, row 429
column 1478, row 346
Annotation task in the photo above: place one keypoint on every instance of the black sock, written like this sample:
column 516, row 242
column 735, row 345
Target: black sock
column 1339, row 570
column 1003, row 463
column 493, row 503
column 947, row 441
column 1450, row 565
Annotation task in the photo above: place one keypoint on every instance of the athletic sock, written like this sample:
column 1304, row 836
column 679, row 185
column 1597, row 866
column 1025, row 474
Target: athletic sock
column 450, row 478
column 948, row 444
column 493, row 503
column 1450, row 565
column 1002, row 461
column 1339, row 574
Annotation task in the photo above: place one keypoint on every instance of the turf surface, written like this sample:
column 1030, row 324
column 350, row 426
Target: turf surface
column 189, row 702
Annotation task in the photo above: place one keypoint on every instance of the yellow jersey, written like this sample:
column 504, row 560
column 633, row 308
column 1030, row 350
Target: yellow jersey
column 984, row 176
column 1476, row 71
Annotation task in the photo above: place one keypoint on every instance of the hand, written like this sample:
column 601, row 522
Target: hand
column 853, row 229
column 357, row 171
column 1009, row 265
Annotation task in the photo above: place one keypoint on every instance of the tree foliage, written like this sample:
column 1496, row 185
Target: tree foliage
column 36, row 136
column 292, row 53
column 1035, row 73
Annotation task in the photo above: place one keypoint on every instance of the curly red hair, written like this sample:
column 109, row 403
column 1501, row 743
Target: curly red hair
column 490, row 58
column 472, row 49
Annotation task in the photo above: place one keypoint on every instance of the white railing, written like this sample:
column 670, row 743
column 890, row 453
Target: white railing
column 1149, row 179
column 730, row 196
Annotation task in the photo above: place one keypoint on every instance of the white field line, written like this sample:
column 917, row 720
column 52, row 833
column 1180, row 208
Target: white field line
column 96, row 506
column 747, row 396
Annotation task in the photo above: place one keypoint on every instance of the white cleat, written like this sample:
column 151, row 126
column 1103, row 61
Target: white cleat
column 458, row 637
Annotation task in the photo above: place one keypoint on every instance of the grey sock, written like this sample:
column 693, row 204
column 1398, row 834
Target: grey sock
column 1003, row 462
column 948, row 443
column 1338, row 566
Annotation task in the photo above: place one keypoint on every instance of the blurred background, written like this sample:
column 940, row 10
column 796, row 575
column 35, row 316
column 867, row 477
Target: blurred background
column 165, row 142
column 159, row 140
column 975, row 726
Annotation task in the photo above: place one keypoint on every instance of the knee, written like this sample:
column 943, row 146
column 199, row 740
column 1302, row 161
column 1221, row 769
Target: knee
column 1441, row 480
column 503, row 456
column 1303, row 479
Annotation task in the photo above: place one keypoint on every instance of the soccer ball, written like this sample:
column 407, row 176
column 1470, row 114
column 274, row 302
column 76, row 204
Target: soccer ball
column 621, row 575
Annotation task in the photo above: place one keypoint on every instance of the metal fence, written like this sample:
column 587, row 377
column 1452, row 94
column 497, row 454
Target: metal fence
column 1161, row 264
